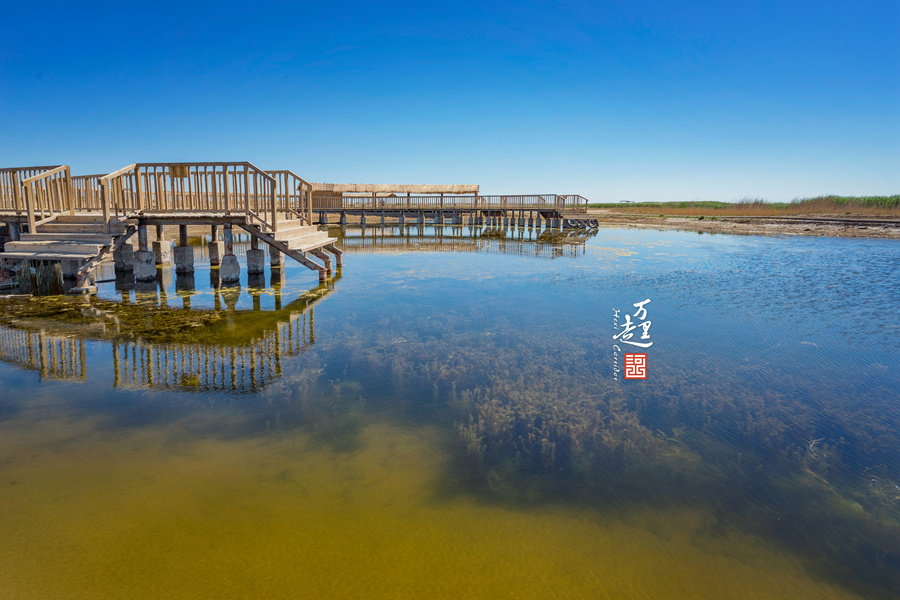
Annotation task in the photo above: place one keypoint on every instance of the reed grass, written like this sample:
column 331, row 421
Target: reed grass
column 758, row 207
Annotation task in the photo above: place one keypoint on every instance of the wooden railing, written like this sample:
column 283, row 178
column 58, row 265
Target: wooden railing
column 570, row 203
column 219, row 188
column 294, row 195
column 86, row 190
column 48, row 195
column 41, row 193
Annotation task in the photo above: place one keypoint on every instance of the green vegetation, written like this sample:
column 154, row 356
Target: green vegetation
column 868, row 205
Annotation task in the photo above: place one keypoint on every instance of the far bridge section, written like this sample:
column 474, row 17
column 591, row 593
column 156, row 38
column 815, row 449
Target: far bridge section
column 452, row 205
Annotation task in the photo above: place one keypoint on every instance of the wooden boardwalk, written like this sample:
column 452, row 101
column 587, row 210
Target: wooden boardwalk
column 81, row 221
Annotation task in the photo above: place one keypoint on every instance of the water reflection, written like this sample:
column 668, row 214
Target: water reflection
column 244, row 368
column 492, row 240
column 52, row 356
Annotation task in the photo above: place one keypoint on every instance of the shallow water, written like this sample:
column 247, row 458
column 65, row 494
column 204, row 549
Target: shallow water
column 445, row 420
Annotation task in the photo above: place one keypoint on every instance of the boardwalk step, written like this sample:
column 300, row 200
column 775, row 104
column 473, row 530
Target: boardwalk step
column 96, row 219
column 97, row 238
column 312, row 245
column 293, row 226
column 19, row 255
column 78, row 228
column 295, row 243
column 64, row 246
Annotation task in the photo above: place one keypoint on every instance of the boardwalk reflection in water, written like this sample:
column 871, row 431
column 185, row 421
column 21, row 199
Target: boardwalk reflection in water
column 236, row 351
column 242, row 368
column 52, row 356
column 491, row 240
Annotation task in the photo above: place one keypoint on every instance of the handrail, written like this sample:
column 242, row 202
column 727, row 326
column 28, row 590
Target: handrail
column 192, row 187
column 48, row 193
column 574, row 202
column 288, row 181
column 12, row 195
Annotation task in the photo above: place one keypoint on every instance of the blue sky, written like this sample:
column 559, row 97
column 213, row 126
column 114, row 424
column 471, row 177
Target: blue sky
column 615, row 100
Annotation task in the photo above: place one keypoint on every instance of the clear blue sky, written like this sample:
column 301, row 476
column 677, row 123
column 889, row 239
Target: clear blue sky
column 623, row 100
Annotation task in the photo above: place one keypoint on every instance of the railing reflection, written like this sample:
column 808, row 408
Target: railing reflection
column 492, row 241
column 52, row 356
column 241, row 368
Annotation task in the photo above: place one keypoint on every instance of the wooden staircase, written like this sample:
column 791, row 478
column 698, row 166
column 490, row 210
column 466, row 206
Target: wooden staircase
column 301, row 238
column 68, row 237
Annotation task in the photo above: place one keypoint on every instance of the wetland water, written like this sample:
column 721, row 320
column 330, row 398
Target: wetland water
column 445, row 421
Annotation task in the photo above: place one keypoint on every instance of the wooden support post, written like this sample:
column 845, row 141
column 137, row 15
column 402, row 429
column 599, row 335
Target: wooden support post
column 229, row 240
column 143, row 246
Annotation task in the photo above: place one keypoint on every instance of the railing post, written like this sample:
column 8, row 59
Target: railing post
column 246, row 188
column 227, row 194
column 70, row 190
column 104, row 202
column 16, row 193
column 274, row 197
column 138, row 189
column 29, row 206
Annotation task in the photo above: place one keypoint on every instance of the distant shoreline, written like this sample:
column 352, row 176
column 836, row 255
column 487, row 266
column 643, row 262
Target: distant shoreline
column 828, row 225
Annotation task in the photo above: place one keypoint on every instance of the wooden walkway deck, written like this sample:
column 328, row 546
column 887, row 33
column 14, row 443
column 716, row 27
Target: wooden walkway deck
column 83, row 220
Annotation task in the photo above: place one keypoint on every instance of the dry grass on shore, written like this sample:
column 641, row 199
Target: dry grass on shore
column 888, row 206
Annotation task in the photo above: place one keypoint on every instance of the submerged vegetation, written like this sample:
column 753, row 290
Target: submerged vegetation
column 821, row 205
column 532, row 416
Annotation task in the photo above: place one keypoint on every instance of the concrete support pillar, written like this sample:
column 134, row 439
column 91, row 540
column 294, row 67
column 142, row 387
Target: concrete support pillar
column 420, row 220
column 184, row 254
column 184, row 259
column 537, row 221
column 275, row 257
column 256, row 261
column 145, row 265
column 343, row 219
column 15, row 231
column 124, row 258
column 530, row 222
column 438, row 219
column 230, row 269
column 215, row 248
column 382, row 217
column 362, row 220
column 323, row 218
column 70, row 268
column 522, row 220
column 229, row 240
column 142, row 237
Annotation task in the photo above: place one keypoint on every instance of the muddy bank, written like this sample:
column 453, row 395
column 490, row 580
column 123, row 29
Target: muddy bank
column 815, row 225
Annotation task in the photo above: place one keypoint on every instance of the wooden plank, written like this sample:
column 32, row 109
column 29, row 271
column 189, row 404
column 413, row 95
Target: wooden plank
column 284, row 249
